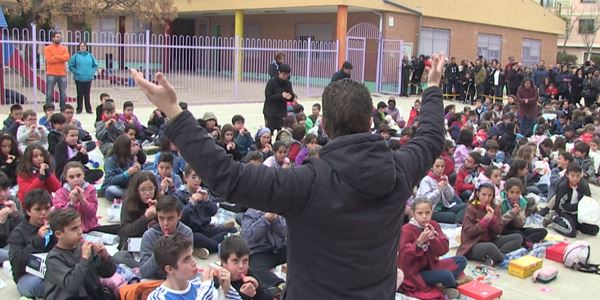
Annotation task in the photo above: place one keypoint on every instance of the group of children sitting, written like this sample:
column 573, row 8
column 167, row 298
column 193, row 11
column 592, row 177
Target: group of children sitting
column 162, row 202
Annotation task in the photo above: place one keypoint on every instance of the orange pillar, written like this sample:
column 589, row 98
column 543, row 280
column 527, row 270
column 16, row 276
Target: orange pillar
column 341, row 32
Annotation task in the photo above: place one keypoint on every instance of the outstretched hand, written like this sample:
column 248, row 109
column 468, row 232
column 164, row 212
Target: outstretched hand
column 163, row 95
column 437, row 68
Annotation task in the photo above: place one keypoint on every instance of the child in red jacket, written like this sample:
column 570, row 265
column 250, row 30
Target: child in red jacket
column 422, row 242
column 33, row 172
column 466, row 177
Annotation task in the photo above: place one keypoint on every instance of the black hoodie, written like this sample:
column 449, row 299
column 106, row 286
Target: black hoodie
column 344, row 211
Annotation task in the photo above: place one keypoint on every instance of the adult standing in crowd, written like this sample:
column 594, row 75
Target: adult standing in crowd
column 356, row 172
column 83, row 65
column 344, row 73
column 56, row 57
column 577, row 86
column 591, row 88
column 563, row 83
column 515, row 78
column 527, row 101
column 540, row 74
column 278, row 93
column 276, row 63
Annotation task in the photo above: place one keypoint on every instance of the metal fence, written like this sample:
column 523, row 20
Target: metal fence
column 202, row 69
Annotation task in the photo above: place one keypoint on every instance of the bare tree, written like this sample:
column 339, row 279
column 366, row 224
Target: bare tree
column 571, row 18
column 590, row 28
column 42, row 11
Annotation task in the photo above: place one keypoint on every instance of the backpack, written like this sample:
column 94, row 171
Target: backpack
column 577, row 256
column 138, row 291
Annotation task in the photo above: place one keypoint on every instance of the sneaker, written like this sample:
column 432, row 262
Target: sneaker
column 451, row 293
column 488, row 262
column 201, row 253
column 548, row 218
column 544, row 211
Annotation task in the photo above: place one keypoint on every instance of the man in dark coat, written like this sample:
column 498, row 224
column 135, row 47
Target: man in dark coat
column 277, row 94
column 344, row 211
column 344, row 73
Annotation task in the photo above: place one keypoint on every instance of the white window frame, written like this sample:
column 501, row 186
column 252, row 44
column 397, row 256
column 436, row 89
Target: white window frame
column 529, row 47
column 489, row 46
column 434, row 40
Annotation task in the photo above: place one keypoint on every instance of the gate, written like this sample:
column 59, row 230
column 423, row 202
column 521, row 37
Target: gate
column 356, row 53
column 390, row 66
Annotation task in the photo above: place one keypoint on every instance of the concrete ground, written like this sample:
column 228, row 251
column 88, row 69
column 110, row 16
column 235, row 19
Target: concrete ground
column 569, row 285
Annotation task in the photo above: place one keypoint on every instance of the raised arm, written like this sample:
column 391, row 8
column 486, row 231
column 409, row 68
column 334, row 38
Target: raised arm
column 282, row 191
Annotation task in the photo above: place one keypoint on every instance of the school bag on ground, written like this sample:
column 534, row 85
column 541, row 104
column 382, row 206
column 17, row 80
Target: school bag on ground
column 577, row 256
column 138, row 291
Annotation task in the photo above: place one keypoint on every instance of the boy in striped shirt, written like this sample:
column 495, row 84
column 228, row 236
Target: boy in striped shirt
column 173, row 253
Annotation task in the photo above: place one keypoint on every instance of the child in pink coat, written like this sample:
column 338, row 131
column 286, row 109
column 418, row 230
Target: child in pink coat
column 79, row 195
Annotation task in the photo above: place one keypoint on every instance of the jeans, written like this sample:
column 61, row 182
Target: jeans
column 261, row 264
column 51, row 81
column 112, row 192
column 3, row 255
column 526, row 126
column 211, row 237
column 30, row 286
column 445, row 277
column 83, row 92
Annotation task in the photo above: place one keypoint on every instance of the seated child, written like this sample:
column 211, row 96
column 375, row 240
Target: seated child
column 558, row 173
column 9, row 156
column 384, row 131
column 285, row 135
column 480, row 236
column 492, row 153
column 70, row 150
column 14, row 119
column 466, row 177
column 210, row 124
column 49, row 110
column 515, row 208
column 76, row 193
column 568, row 194
column 11, row 214
column 235, row 256
column 157, row 125
column 436, row 188
column 131, row 132
column 33, row 235
column 127, row 117
column 463, row 147
column 109, row 128
column 34, row 172
column 315, row 113
column 243, row 138
column 178, row 161
column 119, row 167
column 228, row 143
column 173, row 256
column 493, row 175
column 197, row 213
column 422, row 242
column 295, row 144
column 55, row 136
column 168, row 181
column 168, row 212
column 30, row 132
column 73, row 269
column 280, row 158
column 139, row 207
column 263, row 142
column 582, row 157
column 595, row 155
column 69, row 112
column 99, row 109
column 266, row 235
column 309, row 142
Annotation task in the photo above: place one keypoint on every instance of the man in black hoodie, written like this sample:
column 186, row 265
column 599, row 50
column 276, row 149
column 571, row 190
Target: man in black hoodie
column 344, row 73
column 277, row 94
column 344, row 210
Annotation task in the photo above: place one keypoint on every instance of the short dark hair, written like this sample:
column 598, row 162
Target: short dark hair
column 582, row 147
column 67, row 106
column 166, row 157
column 57, row 118
column 233, row 245
column 476, row 156
column 15, row 107
column 492, row 145
column 574, row 167
column 278, row 145
column 68, row 128
column 108, row 106
column 253, row 155
column 238, row 118
column 298, row 108
column 289, row 121
column 566, row 155
column 28, row 113
column 568, row 127
column 512, row 182
column 48, row 106
column 188, row 170
column 168, row 203
column 394, row 144
column 317, row 105
column 129, row 126
column 4, row 181
column 169, row 248
column 54, row 33
column 104, row 95
column 127, row 104
column 346, row 108
column 347, row 65
column 61, row 218
column 298, row 133
column 37, row 196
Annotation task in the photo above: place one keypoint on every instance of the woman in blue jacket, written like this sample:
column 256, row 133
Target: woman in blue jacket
column 83, row 65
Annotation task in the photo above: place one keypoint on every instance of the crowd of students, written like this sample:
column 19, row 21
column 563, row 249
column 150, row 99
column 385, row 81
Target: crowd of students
column 492, row 162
